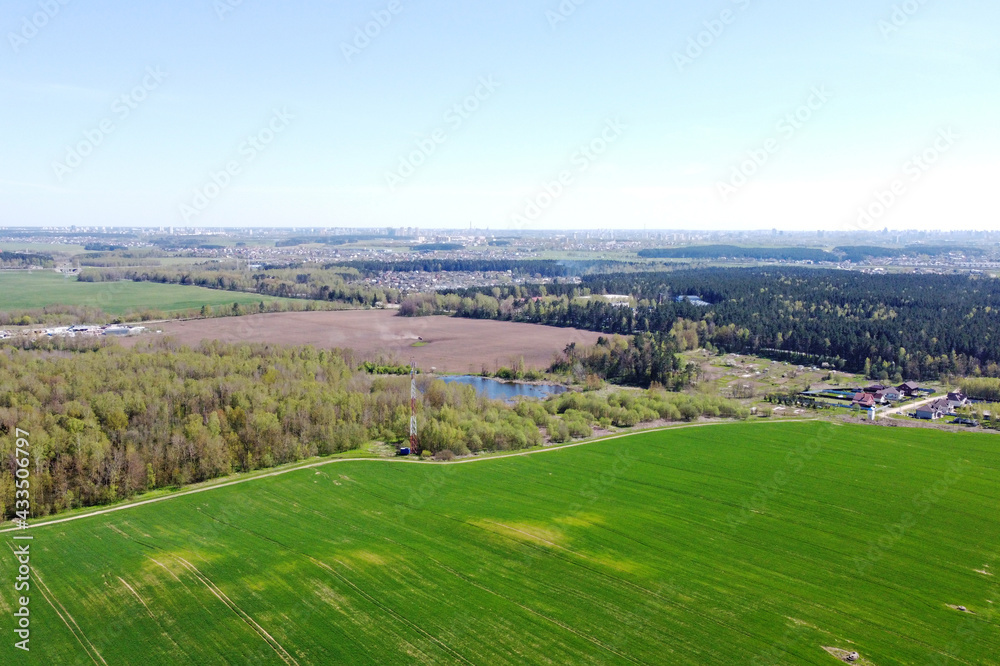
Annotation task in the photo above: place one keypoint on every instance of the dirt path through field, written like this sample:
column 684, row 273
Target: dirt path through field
column 391, row 461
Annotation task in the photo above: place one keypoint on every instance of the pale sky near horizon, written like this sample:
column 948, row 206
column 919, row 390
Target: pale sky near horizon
column 683, row 108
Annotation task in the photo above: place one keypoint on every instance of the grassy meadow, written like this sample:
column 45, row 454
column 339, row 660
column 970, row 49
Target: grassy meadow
column 726, row 544
column 24, row 290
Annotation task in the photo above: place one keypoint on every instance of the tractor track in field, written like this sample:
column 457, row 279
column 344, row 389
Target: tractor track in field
column 378, row 604
column 214, row 589
column 68, row 620
column 393, row 461
column 467, row 580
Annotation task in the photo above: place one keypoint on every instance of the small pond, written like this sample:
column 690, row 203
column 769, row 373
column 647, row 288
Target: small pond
column 497, row 389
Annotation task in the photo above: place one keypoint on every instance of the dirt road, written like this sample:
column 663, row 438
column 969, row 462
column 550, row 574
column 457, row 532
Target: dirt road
column 910, row 406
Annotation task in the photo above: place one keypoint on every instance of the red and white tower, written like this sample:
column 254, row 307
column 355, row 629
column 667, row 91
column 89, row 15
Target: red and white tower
column 413, row 408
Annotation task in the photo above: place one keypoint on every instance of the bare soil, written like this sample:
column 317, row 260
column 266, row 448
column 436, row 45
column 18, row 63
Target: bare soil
column 448, row 344
column 842, row 655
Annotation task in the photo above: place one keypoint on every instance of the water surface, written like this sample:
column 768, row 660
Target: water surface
column 497, row 389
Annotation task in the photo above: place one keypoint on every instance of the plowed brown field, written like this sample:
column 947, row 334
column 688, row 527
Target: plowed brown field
column 448, row 344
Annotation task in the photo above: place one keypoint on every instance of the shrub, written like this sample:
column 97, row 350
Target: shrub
column 534, row 411
column 625, row 418
column 558, row 431
column 669, row 412
column 689, row 411
column 577, row 415
column 645, row 414
column 578, row 429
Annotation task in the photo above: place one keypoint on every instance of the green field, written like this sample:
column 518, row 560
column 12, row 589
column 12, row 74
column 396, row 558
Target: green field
column 41, row 248
column 25, row 290
column 727, row 544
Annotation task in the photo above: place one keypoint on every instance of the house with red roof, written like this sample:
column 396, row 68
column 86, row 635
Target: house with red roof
column 863, row 400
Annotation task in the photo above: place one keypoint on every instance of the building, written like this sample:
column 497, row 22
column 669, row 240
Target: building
column 908, row 389
column 888, row 394
column 934, row 410
column 83, row 329
column 863, row 400
column 957, row 399
column 117, row 329
column 929, row 412
column 693, row 300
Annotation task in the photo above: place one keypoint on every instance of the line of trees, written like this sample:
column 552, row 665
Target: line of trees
column 855, row 253
column 738, row 252
column 981, row 388
column 313, row 284
column 25, row 260
column 67, row 315
column 565, row 417
column 859, row 253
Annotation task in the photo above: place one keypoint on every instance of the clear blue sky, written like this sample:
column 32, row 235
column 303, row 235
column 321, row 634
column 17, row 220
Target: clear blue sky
column 670, row 123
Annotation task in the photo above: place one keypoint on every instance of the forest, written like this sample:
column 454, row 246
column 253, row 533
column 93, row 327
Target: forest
column 887, row 326
column 108, row 422
column 326, row 240
column 854, row 253
column 644, row 360
column 305, row 283
column 68, row 315
column 737, row 252
column 25, row 260
column 859, row 253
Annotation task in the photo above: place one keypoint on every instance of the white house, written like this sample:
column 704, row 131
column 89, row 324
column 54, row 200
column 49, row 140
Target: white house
column 957, row 399
column 889, row 394
column 928, row 412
